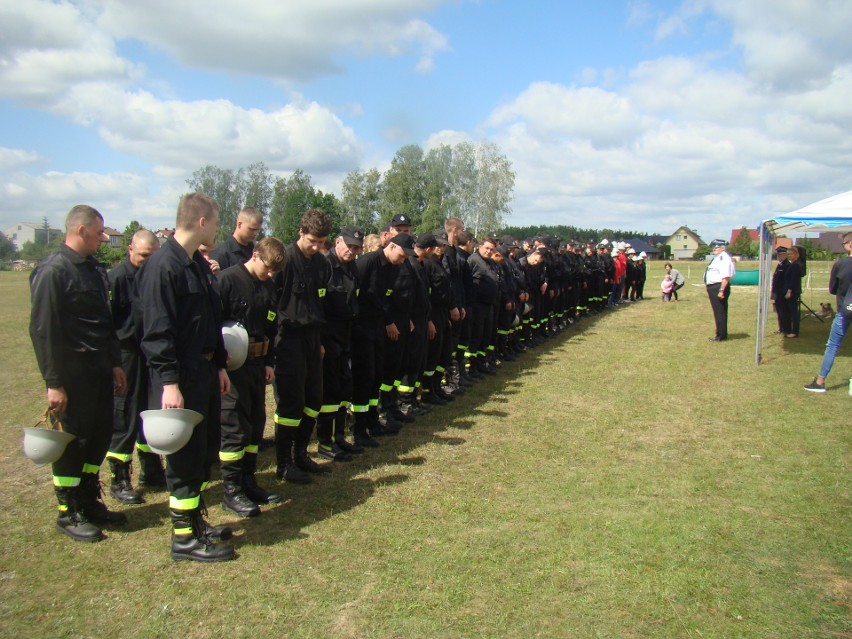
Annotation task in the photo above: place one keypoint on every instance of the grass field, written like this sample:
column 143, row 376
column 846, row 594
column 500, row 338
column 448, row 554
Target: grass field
column 627, row 479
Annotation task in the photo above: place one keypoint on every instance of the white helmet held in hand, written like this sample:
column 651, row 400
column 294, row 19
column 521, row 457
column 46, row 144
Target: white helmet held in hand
column 169, row 429
column 236, row 343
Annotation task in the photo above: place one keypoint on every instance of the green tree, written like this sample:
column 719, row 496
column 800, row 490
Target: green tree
column 404, row 186
column 701, row 252
column 361, row 199
column 129, row 230
column 258, row 187
column 439, row 200
column 7, row 249
column 227, row 188
column 291, row 197
column 495, row 184
column 743, row 244
column 38, row 249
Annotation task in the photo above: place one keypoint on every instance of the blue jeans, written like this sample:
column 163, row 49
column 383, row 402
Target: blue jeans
column 835, row 337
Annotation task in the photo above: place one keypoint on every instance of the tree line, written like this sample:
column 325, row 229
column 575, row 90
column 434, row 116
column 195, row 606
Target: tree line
column 472, row 181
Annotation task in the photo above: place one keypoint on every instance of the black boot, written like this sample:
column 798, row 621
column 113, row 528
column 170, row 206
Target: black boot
column 253, row 490
column 391, row 405
column 151, row 473
column 438, row 389
column 234, row 499
column 326, row 446
column 361, row 436
column 120, row 487
column 92, row 505
column 339, row 429
column 429, row 395
column 190, row 541
column 216, row 533
column 286, row 466
column 71, row 520
column 300, row 450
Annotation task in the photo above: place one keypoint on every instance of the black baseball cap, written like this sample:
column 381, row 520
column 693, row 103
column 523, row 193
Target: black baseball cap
column 401, row 219
column 405, row 241
column 352, row 235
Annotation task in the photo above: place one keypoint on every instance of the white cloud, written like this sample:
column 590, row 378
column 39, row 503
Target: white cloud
column 288, row 40
column 13, row 158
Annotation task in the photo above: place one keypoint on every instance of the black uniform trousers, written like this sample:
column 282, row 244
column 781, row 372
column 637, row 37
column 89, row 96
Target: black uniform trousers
column 414, row 362
column 298, row 375
column 188, row 470
column 395, row 354
column 368, row 357
column 720, row 308
column 88, row 416
column 243, row 416
column 439, row 350
column 336, row 366
column 481, row 330
column 126, row 422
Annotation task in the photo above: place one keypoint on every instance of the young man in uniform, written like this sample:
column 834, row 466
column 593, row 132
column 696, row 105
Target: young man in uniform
column 298, row 349
column 238, row 248
column 341, row 307
column 79, row 358
column 182, row 341
column 249, row 297
column 124, row 303
column 377, row 273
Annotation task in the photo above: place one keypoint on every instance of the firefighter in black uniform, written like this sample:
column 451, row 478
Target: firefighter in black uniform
column 238, row 248
column 182, row 342
column 298, row 349
column 423, row 329
column 439, row 352
column 341, row 307
column 485, row 299
column 124, row 300
column 250, row 298
column 78, row 355
column 377, row 273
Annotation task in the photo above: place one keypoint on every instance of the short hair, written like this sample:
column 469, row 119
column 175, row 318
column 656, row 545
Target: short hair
column 81, row 214
column 489, row 238
column 250, row 213
column 668, row 264
column 453, row 223
column 192, row 207
column 846, row 237
column 143, row 236
column 271, row 251
column 464, row 237
column 315, row 222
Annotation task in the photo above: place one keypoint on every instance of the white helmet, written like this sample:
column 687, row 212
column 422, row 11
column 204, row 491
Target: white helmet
column 45, row 446
column 168, row 430
column 236, row 343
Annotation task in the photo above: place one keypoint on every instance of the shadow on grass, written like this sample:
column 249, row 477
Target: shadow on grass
column 347, row 487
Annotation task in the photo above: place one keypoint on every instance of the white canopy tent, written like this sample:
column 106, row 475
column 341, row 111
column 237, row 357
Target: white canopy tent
column 831, row 214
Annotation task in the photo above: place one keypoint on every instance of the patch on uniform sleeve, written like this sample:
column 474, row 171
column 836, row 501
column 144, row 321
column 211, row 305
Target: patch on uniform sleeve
column 270, row 316
column 388, row 292
column 321, row 292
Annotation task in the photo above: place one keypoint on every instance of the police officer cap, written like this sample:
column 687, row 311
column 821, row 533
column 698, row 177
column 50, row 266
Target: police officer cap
column 426, row 240
column 400, row 219
column 781, row 249
column 405, row 241
column 718, row 243
column 352, row 235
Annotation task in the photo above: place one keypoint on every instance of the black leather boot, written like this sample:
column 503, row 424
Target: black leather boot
column 253, row 490
column 120, row 487
column 235, row 500
column 190, row 541
column 92, row 505
column 71, row 520
column 151, row 473
column 286, row 469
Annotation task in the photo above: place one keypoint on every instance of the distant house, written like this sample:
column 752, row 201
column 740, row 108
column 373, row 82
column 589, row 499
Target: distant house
column 163, row 234
column 684, row 242
column 753, row 235
column 829, row 242
column 640, row 245
column 116, row 238
column 24, row 232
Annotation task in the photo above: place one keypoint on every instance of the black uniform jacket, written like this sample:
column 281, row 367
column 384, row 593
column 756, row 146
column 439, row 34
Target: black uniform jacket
column 230, row 253
column 441, row 290
column 376, row 277
column 341, row 296
column 304, row 282
column 70, row 314
column 484, row 277
column 252, row 303
column 421, row 307
column 123, row 296
column 181, row 313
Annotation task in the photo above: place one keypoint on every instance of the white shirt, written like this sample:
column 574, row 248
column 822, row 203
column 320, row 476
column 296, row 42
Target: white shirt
column 720, row 267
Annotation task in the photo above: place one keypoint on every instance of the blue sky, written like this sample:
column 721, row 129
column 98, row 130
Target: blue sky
column 641, row 115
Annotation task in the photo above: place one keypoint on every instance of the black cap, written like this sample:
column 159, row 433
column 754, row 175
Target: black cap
column 718, row 243
column 352, row 235
column 441, row 237
column 405, row 241
column 781, row 249
column 401, row 219
column 426, row 240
